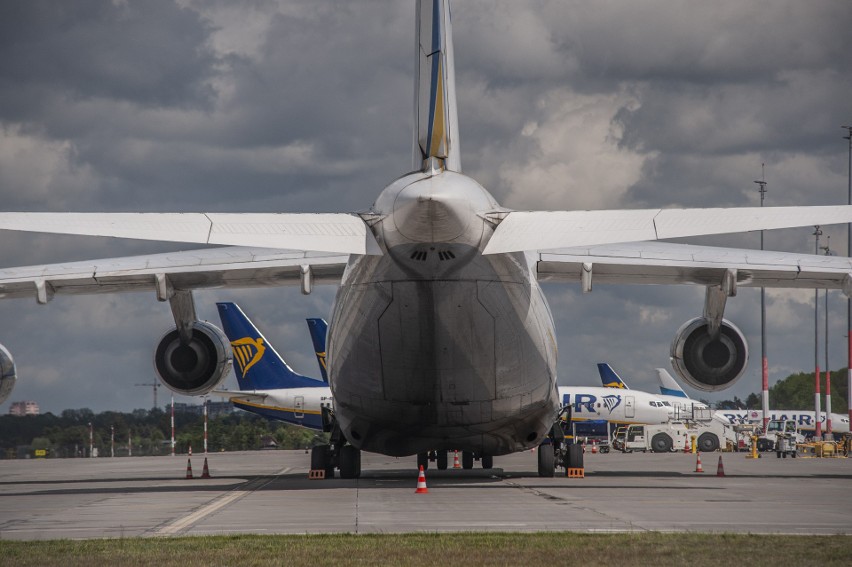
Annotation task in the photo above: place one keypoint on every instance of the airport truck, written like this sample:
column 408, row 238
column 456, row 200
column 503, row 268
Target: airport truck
column 782, row 436
column 659, row 438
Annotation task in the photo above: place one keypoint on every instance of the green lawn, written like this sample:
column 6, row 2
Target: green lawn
column 456, row 549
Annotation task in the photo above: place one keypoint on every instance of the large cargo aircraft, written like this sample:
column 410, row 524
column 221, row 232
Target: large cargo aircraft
column 270, row 388
column 440, row 335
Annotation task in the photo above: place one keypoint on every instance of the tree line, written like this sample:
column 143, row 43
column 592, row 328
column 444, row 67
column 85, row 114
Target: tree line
column 144, row 432
column 796, row 392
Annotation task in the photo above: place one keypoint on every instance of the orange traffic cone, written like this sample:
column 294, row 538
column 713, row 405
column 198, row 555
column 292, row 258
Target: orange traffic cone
column 421, row 483
column 686, row 448
column 698, row 467
column 720, row 470
column 594, row 448
column 188, row 468
column 456, row 464
column 205, row 473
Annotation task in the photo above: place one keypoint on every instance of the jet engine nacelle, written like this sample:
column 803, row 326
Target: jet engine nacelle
column 195, row 368
column 705, row 364
column 7, row 374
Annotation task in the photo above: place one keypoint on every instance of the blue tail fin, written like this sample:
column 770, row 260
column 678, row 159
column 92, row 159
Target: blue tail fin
column 319, row 329
column 609, row 378
column 256, row 364
column 668, row 386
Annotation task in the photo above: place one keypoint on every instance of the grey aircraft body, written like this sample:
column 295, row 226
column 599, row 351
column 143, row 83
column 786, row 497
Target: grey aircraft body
column 440, row 336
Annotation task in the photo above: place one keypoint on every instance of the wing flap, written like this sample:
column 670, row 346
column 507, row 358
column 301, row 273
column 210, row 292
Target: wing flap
column 548, row 230
column 328, row 232
column 669, row 263
column 231, row 267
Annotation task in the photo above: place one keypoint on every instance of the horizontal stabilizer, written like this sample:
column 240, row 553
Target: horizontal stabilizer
column 549, row 230
column 327, row 232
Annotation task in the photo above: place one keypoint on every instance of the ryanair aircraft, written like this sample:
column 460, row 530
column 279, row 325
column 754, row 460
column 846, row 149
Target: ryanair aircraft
column 440, row 335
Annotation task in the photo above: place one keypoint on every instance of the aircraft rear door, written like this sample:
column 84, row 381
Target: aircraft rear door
column 629, row 407
column 299, row 407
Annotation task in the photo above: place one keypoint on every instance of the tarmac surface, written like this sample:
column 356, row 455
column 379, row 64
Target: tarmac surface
column 269, row 492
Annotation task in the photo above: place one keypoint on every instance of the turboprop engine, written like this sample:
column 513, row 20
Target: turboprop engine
column 704, row 363
column 7, row 374
column 199, row 365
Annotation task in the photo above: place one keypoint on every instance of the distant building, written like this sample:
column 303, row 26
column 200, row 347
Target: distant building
column 23, row 408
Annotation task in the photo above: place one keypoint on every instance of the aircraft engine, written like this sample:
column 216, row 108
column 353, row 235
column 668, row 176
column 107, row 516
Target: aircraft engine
column 195, row 368
column 706, row 364
column 7, row 374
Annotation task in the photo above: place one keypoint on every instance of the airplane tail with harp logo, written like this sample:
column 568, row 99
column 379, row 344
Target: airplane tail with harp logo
column 256, row 364
column 319, row 329
column 609, row 377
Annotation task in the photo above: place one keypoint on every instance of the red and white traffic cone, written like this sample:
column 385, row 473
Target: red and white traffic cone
column 594, row 447
column 188, row 468
column 686, row 447
column 720, row 469
column 698, row 467
column 456, row 464
column 421, row 483
column 190, row 450
column 205, row 473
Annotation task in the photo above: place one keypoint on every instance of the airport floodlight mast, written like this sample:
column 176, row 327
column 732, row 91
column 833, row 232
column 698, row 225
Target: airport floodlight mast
column 818, row 426
column 828, row 252
column 764, row 364
column 848, row 137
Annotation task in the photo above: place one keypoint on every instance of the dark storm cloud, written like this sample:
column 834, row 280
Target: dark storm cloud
column 260, row 105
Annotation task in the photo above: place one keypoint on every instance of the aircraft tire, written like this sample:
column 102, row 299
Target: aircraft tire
column 441, row 458
column 707, row 442
column 320, row 460
column 467, row 460
column 487, row 462
column 423, row 460
column 350, row 462
column 661, row 443
column 546, row 461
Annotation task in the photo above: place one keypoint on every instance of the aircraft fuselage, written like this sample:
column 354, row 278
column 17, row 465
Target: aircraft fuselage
column 433, row 345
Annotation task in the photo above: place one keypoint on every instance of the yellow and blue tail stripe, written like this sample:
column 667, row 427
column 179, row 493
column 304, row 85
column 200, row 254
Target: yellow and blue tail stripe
column 609, row 378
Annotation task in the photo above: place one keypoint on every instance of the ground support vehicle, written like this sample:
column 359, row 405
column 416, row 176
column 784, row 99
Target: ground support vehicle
column 784, row 436
column 659, row 438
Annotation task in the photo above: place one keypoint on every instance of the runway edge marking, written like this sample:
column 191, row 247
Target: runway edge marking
column 184, row 523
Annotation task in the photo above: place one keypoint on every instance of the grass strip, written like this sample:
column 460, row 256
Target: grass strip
column 493, row 549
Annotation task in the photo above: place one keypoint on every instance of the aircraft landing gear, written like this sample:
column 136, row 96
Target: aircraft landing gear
column 338, row 454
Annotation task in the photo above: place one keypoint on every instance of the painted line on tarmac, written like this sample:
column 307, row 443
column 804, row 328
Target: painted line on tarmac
column 184, row 523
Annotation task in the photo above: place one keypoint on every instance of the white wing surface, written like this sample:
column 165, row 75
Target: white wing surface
column 234, row 267
column 328, row 232
column 669, row 263
column 547, row 230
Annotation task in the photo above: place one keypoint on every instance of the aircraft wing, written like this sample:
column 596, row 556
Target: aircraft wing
column 234, row 267
column 670, row 263
column 327, row 232
column 548, row 230
column 240, row 395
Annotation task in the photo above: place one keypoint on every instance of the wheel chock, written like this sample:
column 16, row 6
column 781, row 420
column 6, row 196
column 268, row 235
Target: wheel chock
column 576, row 473
column 316, row 474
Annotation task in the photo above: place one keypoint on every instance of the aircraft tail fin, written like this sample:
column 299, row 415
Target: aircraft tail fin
column 319, row 329
column 257, row 365
column 436, row 122
column 610, row 378
column 668, row 386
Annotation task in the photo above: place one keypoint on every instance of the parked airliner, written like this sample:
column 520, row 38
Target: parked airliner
column 440, row 335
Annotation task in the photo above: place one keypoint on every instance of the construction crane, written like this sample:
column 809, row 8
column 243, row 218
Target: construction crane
column 155, row 385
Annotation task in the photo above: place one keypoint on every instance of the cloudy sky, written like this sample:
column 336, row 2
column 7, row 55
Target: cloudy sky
column 305, row 106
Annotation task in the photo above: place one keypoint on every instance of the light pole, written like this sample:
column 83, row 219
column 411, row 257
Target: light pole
column 817, row 413
column 764, row 363
column 827, row 249
column 848, row 137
